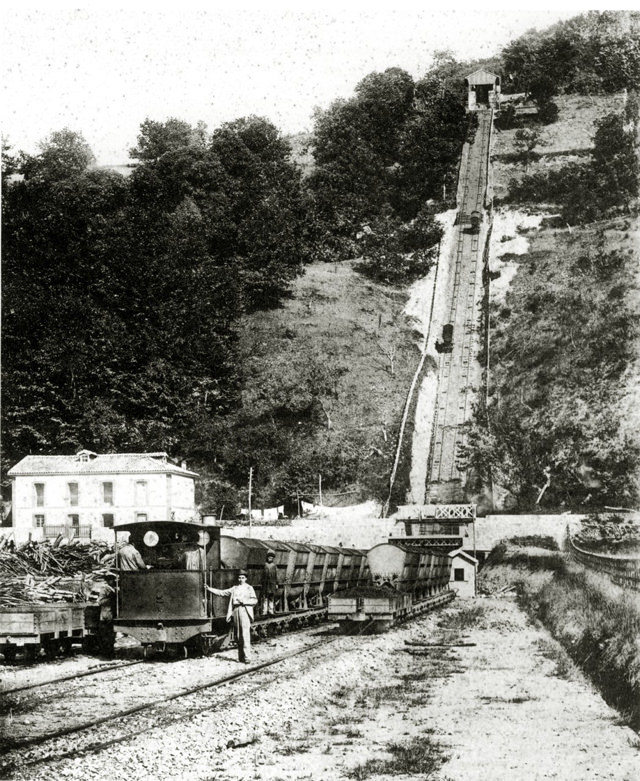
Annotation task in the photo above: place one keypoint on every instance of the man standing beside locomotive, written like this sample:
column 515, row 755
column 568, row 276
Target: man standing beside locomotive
column 242, row 598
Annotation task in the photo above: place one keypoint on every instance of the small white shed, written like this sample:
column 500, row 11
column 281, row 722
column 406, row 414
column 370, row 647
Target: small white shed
column 483, row 90
column 463, row 573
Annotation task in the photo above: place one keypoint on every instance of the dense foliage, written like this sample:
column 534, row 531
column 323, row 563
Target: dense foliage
column 592, row 52
column 379, row 157
column 122, row 297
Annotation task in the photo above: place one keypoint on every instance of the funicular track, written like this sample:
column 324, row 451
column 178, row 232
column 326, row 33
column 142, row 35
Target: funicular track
column 456, row 368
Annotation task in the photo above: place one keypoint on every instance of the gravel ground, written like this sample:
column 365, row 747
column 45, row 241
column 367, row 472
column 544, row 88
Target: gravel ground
column 504, row 705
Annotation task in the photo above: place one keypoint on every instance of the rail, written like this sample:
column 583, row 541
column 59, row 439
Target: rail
column 456, row 370
column 622, row 571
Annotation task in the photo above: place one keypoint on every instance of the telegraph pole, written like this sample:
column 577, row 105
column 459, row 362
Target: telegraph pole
column 250, row 481
column 320, row 488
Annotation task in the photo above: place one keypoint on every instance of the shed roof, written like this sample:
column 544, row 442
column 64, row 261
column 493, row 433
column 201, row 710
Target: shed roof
column 482, row 77
column 459, row 553
column 87, row 462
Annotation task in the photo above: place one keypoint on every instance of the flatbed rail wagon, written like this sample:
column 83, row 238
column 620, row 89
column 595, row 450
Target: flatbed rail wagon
column 31, row 627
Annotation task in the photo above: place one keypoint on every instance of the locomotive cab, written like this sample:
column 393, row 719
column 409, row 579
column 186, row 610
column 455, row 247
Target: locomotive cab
column 166, row 602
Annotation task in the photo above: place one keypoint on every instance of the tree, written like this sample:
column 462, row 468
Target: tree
column 394, row 144
column 62, row 155
column 397, row 253
column 525, row 141
column 615, row 161
column 157, row 138
column 9, row 160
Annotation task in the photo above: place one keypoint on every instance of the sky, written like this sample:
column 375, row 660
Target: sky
column 101, row 71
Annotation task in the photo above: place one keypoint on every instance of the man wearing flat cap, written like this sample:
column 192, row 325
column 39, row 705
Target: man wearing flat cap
column 242, row 598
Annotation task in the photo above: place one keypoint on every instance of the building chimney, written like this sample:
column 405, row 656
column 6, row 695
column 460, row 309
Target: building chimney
column 184, row 464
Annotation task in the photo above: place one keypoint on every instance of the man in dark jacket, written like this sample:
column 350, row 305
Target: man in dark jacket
column 269, row 585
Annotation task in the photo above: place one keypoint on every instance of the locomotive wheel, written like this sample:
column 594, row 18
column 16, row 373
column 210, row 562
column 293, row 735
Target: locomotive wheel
column 89, row 644
column 9, row 652
column 196, row 647
column 51, row 648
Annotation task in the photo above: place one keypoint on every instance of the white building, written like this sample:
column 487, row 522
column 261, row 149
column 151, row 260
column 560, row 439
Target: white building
column 464, row 569
column 86, row 494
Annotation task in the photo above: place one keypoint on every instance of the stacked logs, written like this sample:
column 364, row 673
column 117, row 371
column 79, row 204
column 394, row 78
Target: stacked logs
column 41, row 572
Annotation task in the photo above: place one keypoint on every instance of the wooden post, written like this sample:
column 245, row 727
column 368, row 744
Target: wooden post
column 320, row 488
column 298, row 501
column 250, row 481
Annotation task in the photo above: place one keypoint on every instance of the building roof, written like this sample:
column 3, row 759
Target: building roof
column 459, row 553
column 87, row 462
column 482, row 77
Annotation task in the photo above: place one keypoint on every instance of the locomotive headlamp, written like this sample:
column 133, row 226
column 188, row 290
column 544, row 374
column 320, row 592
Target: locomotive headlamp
column 203, row 538
column 150, row 539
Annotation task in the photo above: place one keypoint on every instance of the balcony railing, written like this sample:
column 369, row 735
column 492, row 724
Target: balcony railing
column 81, row 532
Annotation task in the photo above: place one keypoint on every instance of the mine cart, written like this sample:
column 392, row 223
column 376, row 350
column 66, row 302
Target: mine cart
column 31, row 627
column 446, row 344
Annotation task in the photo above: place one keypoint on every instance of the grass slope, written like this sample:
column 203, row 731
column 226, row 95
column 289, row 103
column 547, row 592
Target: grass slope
column 356, row 332
column 563, row 141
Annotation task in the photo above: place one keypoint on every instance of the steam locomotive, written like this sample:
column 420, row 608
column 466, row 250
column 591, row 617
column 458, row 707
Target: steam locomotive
column 166, row 605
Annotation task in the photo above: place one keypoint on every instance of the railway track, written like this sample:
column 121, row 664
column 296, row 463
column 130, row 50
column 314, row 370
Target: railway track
column 29, row 741
column 457, row 370
column 62, row 679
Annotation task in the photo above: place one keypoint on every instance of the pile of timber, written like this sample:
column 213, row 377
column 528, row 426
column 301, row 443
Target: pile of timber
column 38, row 590
column 41, row 572
column 53, row 558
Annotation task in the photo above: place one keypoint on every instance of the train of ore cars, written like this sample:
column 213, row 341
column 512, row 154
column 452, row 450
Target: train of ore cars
column 166, row 606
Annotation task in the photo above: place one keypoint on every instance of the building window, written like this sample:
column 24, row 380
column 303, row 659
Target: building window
column 73, row 494
column 38, row 521
column 141, row 492
column 458, row 573
column 424, row 529
column 107, row 493
column 74, row 520
column 141, row 517
column 39, row 494
column 107, row 520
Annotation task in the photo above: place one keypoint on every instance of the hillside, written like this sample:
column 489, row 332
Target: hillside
column 566, row 140
column 342, row 346
column 343, row 343
column 564, row 332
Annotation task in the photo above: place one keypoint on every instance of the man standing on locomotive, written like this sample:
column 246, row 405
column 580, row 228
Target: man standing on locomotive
column 129, row 557
column 241, row 602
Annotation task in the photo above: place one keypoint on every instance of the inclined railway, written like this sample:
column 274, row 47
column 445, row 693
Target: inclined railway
column 458, row 370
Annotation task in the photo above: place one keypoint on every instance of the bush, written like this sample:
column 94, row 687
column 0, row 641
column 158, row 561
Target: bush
column 547, row 112
column 599, row 626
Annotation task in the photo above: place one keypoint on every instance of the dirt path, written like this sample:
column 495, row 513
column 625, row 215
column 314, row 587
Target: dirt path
column 509, row 707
